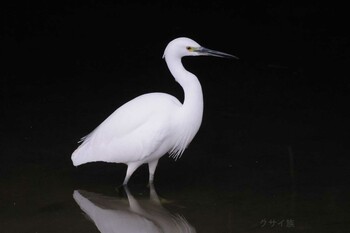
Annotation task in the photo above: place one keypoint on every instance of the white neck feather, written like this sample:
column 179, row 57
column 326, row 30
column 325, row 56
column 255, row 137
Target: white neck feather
column 192, row 108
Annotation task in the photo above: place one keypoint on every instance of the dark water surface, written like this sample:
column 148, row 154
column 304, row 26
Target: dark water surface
column 253, row 193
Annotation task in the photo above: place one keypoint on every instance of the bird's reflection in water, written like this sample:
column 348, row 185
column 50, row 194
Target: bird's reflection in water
column 112, row 215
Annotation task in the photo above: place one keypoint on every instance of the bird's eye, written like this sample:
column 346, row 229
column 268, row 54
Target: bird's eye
column 189, row 48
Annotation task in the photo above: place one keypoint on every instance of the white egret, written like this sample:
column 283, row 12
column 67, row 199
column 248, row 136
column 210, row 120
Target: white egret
column 151, row 125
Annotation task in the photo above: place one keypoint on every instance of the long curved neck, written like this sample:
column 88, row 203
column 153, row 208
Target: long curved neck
column 189, row 118
column 189, row 82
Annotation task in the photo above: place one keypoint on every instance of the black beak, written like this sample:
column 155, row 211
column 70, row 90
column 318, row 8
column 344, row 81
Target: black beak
column 209, row 52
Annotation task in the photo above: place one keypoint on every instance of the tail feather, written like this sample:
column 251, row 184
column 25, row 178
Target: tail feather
column 81, row 155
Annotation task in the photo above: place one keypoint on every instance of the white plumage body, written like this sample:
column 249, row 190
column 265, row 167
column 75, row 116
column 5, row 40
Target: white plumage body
column 149, row 126
column 142, row 130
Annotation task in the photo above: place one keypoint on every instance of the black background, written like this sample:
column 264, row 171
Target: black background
column 68, row 64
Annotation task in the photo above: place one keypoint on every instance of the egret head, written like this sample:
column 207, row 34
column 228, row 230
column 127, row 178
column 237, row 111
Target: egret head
column 181, row 47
